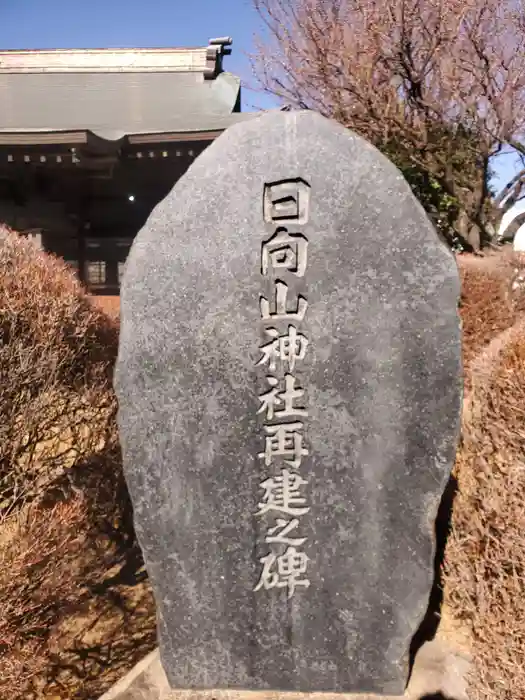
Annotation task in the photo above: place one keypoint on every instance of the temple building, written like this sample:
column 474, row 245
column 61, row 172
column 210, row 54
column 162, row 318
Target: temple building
column 91, row 140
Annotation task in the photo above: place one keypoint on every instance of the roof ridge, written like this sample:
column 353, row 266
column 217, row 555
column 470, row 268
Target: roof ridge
column 206, row 59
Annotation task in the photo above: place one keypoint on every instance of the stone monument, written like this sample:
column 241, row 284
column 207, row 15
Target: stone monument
column 289, row 390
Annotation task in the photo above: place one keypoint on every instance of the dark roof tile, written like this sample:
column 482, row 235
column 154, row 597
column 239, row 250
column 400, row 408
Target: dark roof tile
column 115, row 102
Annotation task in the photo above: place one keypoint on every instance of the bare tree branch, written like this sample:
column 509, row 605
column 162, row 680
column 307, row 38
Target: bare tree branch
column 435, row 77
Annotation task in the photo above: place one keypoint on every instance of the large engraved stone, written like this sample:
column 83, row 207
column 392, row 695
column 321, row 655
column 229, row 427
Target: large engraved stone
column 289, row 388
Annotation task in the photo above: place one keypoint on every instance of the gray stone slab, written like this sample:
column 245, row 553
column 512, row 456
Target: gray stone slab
column 440, row 671
column 289, row 390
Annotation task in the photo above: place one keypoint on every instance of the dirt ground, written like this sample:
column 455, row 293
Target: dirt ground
column 109, row 304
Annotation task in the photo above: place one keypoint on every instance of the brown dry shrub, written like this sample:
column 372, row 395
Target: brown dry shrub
column 57, row 353
column 40, row 557
column 68, row 552
column 485, row 556
column 486, row 307
column 78, row 615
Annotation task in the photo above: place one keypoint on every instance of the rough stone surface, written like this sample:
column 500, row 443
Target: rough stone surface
column 363, row 471
column 440, row 672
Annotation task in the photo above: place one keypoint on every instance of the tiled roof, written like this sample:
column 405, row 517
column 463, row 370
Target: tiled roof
column 113, row 93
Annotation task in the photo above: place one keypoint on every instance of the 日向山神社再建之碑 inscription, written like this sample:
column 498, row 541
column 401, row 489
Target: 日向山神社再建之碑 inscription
column 289, row 386
column 284, row 502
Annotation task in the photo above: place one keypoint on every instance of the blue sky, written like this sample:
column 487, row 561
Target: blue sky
column 31, row 24
column 43, row 24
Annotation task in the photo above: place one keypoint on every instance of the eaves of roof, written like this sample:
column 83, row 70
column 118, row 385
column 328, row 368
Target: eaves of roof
column 113, row 141
column 113, row 105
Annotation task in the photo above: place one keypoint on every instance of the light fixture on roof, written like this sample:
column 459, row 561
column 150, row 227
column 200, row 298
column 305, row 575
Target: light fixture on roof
column 131, row 197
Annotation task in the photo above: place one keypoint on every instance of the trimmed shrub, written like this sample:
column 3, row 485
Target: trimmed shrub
column 486, row 305
column 67, row 547
column 40, row 555
column 56, row 360
column 485, row 555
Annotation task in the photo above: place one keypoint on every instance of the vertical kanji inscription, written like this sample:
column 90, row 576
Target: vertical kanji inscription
column 284, row 252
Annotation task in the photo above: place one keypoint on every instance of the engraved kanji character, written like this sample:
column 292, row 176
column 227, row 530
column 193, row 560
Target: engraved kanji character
column 282, row 494
column 280, row 312
column 285, row 527
column 274, row 398
column 288, row 348
column 284, row 571
column 285, row 250
column 286, row 200
column 284, row 440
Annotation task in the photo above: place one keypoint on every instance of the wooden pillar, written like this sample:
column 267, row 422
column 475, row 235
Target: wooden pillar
column 111, row 272
column 81, row 241
column 81, row 207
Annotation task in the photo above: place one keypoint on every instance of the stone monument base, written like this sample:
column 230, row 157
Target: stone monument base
column 440, row 671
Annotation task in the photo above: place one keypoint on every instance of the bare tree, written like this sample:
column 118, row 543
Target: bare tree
column 439, row 82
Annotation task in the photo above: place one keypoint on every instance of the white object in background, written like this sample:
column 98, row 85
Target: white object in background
column 508, row 218
column 519, row 240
